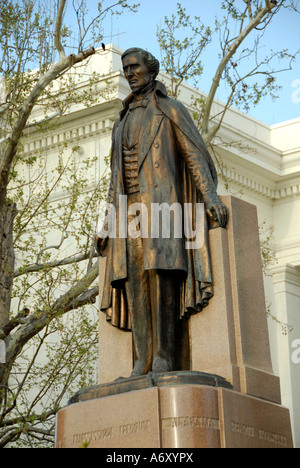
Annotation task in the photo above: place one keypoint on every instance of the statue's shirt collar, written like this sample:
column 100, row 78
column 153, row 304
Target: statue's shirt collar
column 157, row 87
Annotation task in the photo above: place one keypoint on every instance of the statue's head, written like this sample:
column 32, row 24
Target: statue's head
column 140, row 68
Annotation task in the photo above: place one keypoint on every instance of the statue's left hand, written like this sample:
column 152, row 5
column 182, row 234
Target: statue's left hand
column 218, row 212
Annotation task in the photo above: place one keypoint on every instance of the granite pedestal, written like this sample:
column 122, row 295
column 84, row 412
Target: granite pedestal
column 228, row 397
column 174, row 410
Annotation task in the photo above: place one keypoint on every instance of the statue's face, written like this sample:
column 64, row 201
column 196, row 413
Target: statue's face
column 136, row 72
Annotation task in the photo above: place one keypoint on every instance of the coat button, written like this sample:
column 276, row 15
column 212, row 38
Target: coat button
column 155, row 185
column 156, row 145
column 156, row 164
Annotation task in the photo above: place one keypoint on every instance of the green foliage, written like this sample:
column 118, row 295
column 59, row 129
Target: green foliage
column 57, row 194
column 243, row 71
column 180, row 55
column 285, row 327
column 268, row 254
column 51, row 368
column 56, row 220
column 63, row 357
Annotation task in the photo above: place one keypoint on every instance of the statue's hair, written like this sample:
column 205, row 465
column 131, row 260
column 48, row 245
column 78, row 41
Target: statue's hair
column 150, row 61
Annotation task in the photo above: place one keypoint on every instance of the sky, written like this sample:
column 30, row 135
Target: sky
column 139, row 30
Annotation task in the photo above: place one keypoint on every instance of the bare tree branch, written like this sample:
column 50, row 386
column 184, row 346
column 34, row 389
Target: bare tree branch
column 254, row 72
column 66, row 261
column 86, row 30
column 62, row 65
column 77, row 296
column 254, row 22
column 58, row 27
column 13, row 323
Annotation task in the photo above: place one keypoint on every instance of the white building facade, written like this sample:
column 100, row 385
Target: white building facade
column 261, row 165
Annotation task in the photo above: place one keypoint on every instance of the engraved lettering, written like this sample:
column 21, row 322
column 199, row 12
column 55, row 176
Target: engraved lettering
column 191, row 421
column 133, row 428
column 244, row 429
column 99, row 434
column 250, row 431
column 271, row 437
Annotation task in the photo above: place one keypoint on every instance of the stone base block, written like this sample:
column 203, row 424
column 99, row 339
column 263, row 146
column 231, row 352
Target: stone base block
column 186, row 410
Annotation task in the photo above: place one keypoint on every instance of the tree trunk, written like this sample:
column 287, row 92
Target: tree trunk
column 7, row 259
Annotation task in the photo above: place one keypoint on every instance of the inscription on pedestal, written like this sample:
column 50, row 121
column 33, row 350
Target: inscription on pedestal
column 87, row 437
column 259, row 434
column 122, row 430
column 253, row 423
column 191, row 421
column 127, row 420
column 134, row 428
column 243, row 429
column 189, row 416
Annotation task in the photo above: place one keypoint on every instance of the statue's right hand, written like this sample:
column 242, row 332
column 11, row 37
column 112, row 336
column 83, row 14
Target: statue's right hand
column 101, row 243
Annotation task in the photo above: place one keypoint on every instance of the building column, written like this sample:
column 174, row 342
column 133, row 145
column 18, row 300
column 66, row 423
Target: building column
column 286, row 312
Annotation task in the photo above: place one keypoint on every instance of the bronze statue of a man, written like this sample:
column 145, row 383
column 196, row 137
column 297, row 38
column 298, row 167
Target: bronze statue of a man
column 158, row 158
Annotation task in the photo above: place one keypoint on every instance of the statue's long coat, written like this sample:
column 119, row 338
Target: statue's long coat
column 174, row 167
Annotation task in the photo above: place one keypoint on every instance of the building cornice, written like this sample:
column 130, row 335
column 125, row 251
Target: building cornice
column 83, row 125
column 285, row 273
column 287, row 190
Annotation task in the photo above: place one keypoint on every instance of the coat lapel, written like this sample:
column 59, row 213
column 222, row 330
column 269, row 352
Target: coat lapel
column 118, row 150
column 151, row 123
column 179, row 115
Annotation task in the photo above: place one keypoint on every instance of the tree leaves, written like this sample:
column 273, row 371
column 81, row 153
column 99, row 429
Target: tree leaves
column 52, row 347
